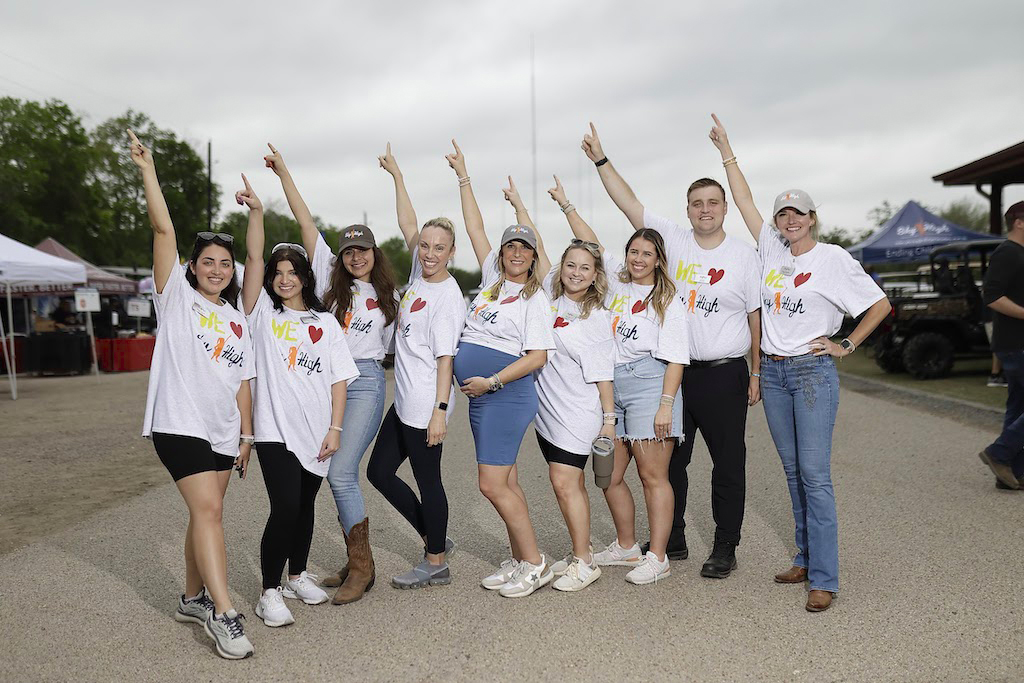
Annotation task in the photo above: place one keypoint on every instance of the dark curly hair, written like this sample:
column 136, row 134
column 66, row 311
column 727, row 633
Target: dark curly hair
column 304, row 272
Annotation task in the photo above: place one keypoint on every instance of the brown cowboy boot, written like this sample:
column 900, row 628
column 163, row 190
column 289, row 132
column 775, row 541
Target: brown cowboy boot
column 336, row 580
column 361, row 571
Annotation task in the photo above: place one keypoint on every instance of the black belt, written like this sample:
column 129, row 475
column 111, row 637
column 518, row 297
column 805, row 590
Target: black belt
column 713, row 363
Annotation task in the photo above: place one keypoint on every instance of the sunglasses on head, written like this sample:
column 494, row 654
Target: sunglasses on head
column 288, row 245
column 222, row 237
column 593, row 246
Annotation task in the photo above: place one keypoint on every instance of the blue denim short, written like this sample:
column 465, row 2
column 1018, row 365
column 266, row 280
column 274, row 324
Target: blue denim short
column 638, row 388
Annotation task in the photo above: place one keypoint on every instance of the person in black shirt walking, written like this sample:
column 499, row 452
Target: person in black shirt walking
column 1003, row 292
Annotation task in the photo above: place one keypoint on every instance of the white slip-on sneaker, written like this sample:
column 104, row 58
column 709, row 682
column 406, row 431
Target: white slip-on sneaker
column 560, row 567
column 305, row 588
column 499, row 578
column 272, row 610
column 650, row 570
column 578, row 576
column 526, row 579
column 616, row 555
column 195, row 610
column 228, row 635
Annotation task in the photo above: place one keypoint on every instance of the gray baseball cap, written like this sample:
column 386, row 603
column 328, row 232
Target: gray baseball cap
column 523, row 233
column 794, row 199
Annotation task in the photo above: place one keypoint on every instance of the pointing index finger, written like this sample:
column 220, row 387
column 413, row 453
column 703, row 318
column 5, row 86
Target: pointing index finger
column 273, row 150
column 245, row 180
column 134, row 138
column 593, row 131
column 388, row 152
column 456, row 145
column 717, row 122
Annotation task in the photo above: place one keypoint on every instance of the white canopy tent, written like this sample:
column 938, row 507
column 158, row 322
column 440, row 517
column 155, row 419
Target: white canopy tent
column 20, row 264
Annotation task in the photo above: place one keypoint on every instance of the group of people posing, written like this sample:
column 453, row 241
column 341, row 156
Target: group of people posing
column 591, row 348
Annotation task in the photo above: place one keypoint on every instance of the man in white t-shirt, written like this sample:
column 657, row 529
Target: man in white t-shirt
column 717, row 278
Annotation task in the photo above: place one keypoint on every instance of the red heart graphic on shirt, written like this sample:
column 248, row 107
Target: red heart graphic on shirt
column 237, row 329
column 315, row 333
column 371, row 304
column 417, row 305
column 716, row 274
column 639, row 306
column 510, row 299
column 801, row 278
column 561, row 322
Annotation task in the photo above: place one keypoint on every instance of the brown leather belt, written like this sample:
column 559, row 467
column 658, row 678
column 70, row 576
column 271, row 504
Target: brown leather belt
column 778, row 358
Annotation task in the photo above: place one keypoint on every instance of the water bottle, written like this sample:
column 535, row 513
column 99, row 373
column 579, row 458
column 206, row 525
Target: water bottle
column 603, row 450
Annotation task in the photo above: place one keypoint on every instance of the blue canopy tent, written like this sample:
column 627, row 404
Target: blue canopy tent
column 911, row 235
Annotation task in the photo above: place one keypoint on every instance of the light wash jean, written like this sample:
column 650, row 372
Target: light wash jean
column 364, row 410
column 801, row 398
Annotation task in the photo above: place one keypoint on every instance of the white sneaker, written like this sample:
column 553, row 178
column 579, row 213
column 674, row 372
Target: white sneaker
column 650, row 570
column 526, row 579
column 578, row 576
column 304, row 588
column 616, row 555
column 228, row 635
column 499, row 578
column 272, row 610
column 562, row 566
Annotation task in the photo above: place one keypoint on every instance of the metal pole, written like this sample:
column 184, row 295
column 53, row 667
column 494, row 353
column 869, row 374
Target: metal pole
column 9, row 357
column 209, row 185
column 533, row 119
column 92, row 344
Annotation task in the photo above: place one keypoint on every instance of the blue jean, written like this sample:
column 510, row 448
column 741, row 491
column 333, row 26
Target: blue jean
column 801, row 398
column 637, row 392
column 1009, row 447
column 364, row 409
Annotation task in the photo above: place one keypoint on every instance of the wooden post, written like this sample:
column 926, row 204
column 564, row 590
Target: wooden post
column 995, row 216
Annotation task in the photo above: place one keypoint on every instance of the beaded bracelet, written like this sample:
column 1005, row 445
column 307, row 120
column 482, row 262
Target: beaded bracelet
column 463, row 181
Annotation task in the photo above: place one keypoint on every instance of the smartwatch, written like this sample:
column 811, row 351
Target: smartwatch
column 848, row 346
column 441, row 405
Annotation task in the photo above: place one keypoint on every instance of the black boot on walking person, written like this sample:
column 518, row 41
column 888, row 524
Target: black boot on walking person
column 721, row 562
column 675, row 548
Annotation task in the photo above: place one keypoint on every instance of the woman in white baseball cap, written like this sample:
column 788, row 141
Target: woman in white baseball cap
column 806, row 289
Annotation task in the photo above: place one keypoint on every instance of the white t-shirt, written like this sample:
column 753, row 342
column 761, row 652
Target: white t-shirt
column 637, row 329
column 430, row 319
column 804, row 297
column 299, row 356
column 365, row 331
column 203, row 353
column 718, row 287
column 509, row 323
column 569, row 406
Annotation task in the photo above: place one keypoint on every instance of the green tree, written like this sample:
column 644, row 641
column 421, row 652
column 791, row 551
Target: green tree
column 968, row 213
column 467, row 279
column 46, row 187
column 401, row 260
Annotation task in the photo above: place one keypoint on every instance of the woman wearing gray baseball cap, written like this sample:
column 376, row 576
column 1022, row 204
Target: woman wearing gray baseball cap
column 806, row 289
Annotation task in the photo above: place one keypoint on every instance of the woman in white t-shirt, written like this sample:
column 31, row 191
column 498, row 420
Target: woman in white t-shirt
column 576, row 402
column 507, row 338
column 651, row 348
column 806, row 289
column 430, row 319
column 199, row 404
column 304, row 368
column 358, row 287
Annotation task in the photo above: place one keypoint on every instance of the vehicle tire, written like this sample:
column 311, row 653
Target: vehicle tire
column 928, row 355
column 889, row 360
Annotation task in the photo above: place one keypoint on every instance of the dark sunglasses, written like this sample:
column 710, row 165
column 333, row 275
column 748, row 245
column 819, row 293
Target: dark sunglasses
column 222, row 237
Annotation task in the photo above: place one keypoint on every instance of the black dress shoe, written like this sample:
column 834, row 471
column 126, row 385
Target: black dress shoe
column 721, row 562
column 675, row 548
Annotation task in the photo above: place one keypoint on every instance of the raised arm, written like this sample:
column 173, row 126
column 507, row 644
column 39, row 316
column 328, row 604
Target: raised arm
column 406, row 215
column 616, row 187
column 523, row 218
column 737, row 183
column 579, row 226
column 165, row 243
column 310, row 235
column 252, row 279
column 470, row 210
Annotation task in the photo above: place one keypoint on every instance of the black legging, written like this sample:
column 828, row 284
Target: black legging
column 289, row 530
column 397, row 442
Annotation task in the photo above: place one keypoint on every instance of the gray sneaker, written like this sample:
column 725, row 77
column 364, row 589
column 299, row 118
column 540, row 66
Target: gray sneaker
column 228, row 635
column 422, row 575
column 449, row 548
column 196, row 610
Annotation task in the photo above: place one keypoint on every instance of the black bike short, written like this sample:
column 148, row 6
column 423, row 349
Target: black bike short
column 187, row 455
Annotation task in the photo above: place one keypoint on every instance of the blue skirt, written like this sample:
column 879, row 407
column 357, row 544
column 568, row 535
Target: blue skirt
column 498, row 420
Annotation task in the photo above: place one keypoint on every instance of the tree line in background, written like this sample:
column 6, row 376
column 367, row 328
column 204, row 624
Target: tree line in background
column 60, row 180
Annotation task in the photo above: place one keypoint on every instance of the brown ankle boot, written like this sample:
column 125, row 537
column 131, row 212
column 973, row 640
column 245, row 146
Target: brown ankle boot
column 336, row 580
column 361, row 572
column 792, row 575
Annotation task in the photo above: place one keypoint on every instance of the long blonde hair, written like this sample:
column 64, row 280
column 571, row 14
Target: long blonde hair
column 533, row 283
column 664, row 289
column 594, row 296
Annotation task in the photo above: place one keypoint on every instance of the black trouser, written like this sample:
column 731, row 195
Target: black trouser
column 397, row 442
column 715, row 402
column 289, row 529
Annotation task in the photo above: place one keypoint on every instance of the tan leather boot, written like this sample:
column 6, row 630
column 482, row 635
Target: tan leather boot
column 336, row 580
column 361, row 571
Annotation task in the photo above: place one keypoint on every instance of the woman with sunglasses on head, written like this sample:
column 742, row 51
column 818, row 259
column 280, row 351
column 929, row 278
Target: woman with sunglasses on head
column 199, row 404
column 304, row 369
column 806, row 289
column 651, row 349
column 358, row 287
column 574, row 390
column 507, row 338
column 430, row 319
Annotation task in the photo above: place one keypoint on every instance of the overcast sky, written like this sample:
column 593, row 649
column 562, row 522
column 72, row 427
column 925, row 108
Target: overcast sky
column 854, row 102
